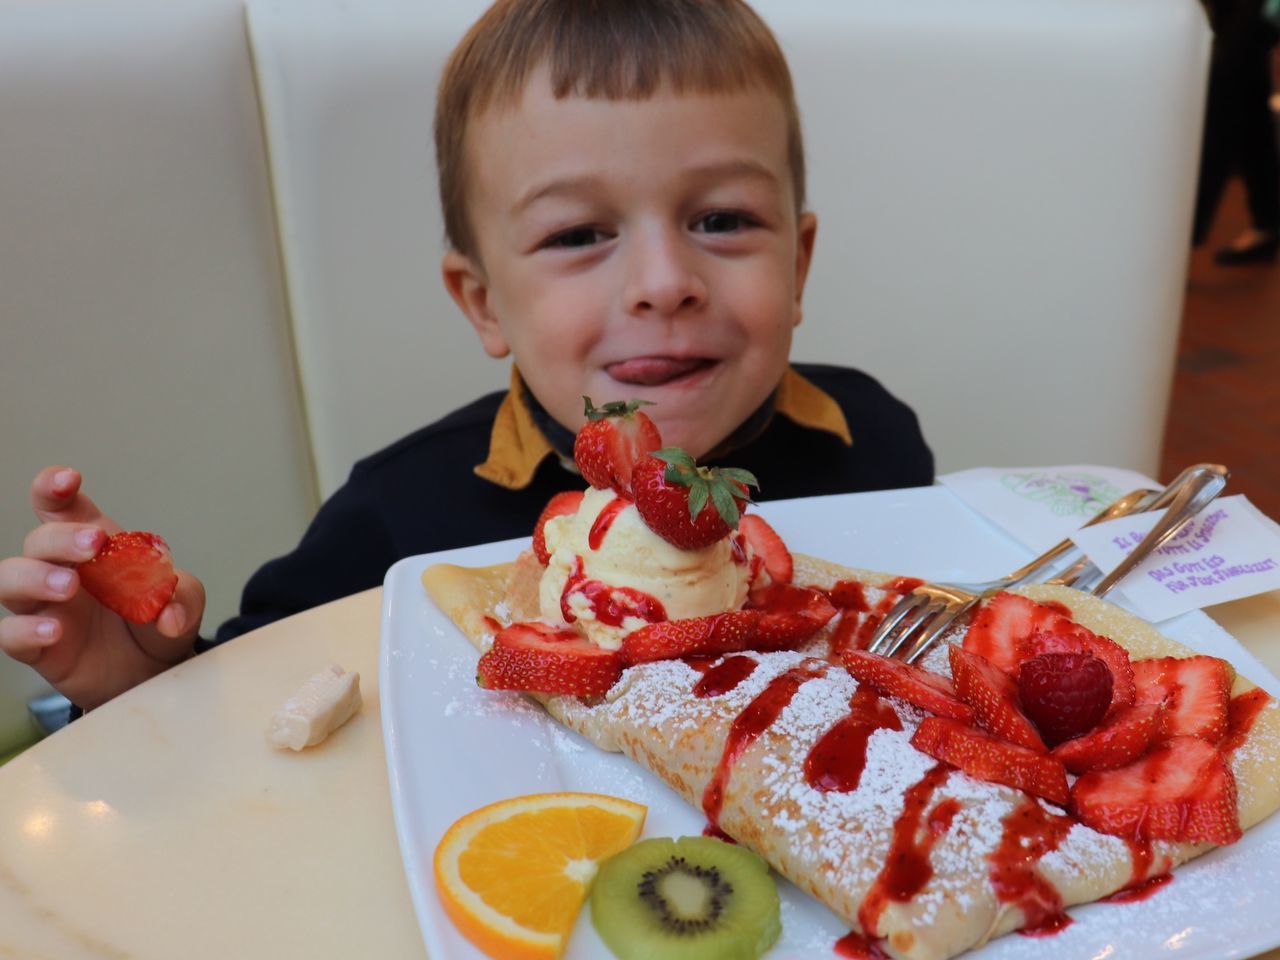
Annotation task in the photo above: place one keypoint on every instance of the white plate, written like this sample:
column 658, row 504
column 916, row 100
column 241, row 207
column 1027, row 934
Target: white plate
column 452, row 747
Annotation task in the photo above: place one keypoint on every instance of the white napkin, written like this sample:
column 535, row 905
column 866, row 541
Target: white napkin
column 1230, row 550
column 1039, row 506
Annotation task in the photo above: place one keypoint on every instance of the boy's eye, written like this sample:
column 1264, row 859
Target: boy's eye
column 576, row 237
column 721, row 221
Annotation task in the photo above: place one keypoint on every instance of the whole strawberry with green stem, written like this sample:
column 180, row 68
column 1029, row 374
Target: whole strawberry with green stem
column 687, row 505
column 616, row 435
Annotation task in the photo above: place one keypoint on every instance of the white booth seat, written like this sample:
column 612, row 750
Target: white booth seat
column 1003, row 190
column 219, row 241
column 144, row 334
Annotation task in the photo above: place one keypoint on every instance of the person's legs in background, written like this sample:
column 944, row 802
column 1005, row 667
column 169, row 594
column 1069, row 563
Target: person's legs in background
column 1254, row 148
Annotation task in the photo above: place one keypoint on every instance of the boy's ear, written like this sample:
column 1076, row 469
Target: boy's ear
column 806, row 232
column 466, row 283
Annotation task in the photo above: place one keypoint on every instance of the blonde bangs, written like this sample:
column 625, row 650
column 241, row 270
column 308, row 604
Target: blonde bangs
column 607, row 49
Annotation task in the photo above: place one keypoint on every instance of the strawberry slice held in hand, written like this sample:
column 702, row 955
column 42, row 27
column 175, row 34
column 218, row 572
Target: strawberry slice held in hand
column 993, row 694
column 1195, row 691
column 1181, row 790
column 539, row 658
column 704, row 636
column 922, row 688
column 615, row 437
column 132, row 575
column 688, row 506
column 768, row 546
column 561, row 504
column 985, row 757
column 1117, row 743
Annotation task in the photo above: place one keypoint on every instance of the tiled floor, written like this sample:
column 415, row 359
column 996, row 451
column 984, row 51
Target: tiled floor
column 1225, row 406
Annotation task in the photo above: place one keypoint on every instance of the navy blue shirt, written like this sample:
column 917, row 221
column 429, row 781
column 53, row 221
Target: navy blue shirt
column 421, row 494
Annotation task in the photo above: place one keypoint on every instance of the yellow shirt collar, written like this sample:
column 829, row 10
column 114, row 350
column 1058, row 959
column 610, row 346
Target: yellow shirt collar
column 517, row 447
column 804, row 403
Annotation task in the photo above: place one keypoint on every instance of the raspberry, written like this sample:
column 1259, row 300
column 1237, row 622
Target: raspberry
column 1064, row 694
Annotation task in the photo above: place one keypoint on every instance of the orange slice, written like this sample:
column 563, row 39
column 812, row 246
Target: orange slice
column 513, row 875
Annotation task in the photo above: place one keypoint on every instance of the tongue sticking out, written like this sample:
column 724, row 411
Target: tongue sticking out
column 652, row 371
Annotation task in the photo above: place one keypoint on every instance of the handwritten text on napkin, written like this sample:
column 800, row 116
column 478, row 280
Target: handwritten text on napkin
column 1230, row 550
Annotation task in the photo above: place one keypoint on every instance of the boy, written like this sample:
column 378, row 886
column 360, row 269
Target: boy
column 623, row 187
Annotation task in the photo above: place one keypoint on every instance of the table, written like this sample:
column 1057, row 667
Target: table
column 161, row 825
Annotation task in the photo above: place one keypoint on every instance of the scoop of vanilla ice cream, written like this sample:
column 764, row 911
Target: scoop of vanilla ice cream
column 688, row 583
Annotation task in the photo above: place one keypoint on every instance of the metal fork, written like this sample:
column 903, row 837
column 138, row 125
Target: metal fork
column 1190, row 492
column 922, row 616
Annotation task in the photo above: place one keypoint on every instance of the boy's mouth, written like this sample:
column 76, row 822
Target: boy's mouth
column 655, row 371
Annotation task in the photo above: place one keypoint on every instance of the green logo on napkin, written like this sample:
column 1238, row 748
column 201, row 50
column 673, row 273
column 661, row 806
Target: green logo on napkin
column 1063, row 494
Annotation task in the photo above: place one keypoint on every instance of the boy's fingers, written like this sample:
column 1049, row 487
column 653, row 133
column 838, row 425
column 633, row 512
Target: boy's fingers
column 55, row 495
column 62, row 542
column 179, row 621
column 25, row 638
column 26, row 585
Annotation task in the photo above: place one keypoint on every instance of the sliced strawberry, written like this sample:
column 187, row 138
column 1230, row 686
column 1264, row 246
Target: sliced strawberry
column 1064, row 694
column 1071, row 637
column 789, row 615
column 131, row 575
column 1181, row 790
column 993, row 694
column 768, row 546
column 998, row 629
column 539, row 658
column 671, row 639
column 562, row 503
column 987, row 758
column 897, row 678
column 687, row 505
column 1120, row 741
column 1195, row 692
column 615, row 436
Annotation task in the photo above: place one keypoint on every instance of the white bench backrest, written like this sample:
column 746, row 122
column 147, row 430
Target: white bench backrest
column 1003, row 190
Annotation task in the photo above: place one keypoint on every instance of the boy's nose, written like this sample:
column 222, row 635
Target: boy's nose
column 662, row 277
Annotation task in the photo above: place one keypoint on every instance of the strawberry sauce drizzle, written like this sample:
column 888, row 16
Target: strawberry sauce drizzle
column 858, row 620
column 756, row 717
column 611, row 605
column 720, row 679
column 1030, row 832
column 854, row 946
column 1242, row 711
column 1143, row 856
column 1139, row 891
column 907, row 868
column 713, row 831
column 835, row 763
column 492, row 625
column 604, row 520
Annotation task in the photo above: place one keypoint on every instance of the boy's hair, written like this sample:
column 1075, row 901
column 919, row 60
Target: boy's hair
column 615, row 49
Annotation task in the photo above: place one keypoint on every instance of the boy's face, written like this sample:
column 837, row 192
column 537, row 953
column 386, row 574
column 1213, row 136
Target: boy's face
column 637, row 249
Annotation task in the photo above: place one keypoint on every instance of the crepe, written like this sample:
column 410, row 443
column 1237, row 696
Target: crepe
column 920, row 858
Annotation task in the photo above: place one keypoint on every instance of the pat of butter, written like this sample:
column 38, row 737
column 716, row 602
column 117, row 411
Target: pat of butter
column 321, row 705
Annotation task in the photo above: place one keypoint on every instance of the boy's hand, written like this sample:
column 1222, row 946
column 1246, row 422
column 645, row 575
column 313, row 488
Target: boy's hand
column 85, row 651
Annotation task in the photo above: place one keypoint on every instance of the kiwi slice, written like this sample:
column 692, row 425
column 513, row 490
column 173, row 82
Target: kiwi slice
column 696, row 897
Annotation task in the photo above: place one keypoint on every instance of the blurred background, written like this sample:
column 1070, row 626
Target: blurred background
column 1225, row 403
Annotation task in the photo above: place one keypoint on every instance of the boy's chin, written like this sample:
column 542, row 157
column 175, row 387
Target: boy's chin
column 694, row 438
